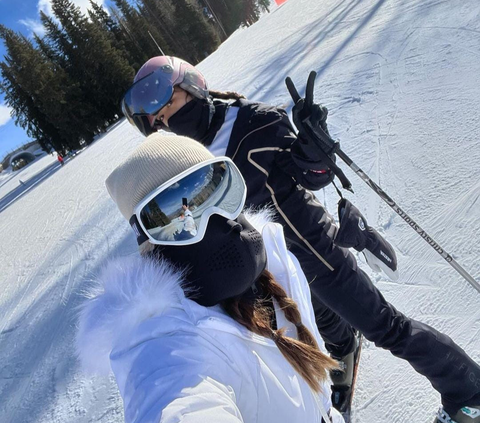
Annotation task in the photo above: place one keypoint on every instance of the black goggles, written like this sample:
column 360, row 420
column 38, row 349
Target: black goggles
column 177, row 212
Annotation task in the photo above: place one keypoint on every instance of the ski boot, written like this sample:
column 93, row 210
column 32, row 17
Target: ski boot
column 343, row 376
column 464, row 415
column 343, row 379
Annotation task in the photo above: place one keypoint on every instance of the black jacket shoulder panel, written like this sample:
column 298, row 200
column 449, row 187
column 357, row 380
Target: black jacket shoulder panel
column 259, row 133
column 251, row 119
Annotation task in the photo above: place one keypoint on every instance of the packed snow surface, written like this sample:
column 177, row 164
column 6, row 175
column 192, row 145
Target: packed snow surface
column 400, row 79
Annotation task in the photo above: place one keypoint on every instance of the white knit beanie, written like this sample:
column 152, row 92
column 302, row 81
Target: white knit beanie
column 158, row 159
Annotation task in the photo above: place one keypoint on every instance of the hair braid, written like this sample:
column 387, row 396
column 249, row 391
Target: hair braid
column 225, row 95
column 289, row 307
column 303, row 354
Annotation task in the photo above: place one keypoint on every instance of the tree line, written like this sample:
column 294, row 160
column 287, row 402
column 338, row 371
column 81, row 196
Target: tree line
column 66, row 86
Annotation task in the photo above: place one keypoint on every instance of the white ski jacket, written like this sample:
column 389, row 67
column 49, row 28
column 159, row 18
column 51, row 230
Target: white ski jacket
column 175, row 360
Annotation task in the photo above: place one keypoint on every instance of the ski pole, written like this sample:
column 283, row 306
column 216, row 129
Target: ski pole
column 329, row 146
column 381, row 193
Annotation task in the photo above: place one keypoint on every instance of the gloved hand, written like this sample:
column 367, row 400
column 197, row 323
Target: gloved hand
column 308, row 156
column 311, row 118
column 312, row 176
column 314, row 144
column 354, row 232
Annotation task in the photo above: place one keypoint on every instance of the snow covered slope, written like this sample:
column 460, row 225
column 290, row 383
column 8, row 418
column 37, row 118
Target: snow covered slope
column 400, row 79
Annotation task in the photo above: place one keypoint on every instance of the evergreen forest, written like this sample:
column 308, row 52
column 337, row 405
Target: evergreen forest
column 66, row 86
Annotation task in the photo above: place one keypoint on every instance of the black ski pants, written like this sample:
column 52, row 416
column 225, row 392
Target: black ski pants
column 343, row 295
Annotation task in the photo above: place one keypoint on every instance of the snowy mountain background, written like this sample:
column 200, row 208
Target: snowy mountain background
column 400, row 79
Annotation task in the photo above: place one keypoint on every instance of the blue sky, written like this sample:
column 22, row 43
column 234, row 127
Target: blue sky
column 23, row 16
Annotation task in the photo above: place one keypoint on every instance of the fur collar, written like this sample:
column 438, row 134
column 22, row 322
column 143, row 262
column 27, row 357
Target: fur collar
column 127, row 292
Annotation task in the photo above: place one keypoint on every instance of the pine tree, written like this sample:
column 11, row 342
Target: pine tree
column 228, row 16
column 197, row 33
column 36, row 89
column 104, row 22
column 264, row 5
column 252, row 10
column 113, row 30
column 102, row 72
column 25, row 112
column 159, row 14
column 132, row 46
column 139, row 29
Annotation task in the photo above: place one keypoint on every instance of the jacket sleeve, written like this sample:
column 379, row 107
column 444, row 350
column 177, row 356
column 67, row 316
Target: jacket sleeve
column 177, row 379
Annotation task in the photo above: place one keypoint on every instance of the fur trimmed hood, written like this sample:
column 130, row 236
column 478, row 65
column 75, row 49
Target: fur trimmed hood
column 127, row 292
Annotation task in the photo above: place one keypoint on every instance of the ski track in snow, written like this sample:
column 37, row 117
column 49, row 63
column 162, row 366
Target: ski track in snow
column 400, row 81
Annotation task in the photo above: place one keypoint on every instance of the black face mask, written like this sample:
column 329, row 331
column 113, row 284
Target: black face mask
column 224, row 264
column 192, row 120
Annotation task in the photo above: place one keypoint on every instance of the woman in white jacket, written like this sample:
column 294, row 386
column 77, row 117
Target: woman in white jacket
column 217, row 328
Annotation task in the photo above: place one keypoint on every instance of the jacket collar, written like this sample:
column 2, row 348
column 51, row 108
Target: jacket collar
column 216, row 123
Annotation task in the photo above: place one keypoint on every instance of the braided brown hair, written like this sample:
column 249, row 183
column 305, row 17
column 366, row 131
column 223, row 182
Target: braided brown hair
column 226, row 95
column 256, row 315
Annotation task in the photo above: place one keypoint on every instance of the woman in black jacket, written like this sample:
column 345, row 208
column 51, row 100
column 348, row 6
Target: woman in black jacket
column 169, row 93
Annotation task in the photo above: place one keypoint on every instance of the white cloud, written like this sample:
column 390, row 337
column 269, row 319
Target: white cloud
column 4, row 114
column 46, row 7
column 34, row 26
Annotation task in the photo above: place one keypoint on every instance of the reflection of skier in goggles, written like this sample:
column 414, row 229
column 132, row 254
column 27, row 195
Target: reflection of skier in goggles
column 183, row 232
column 280, row 169
column 189, row 225
column 232, row 345
column 189, row 228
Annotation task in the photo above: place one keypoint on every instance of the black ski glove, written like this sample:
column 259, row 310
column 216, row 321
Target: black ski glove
column 306, row 157
column 307, row 164
column 313, row 144
column 312, row 176
column 306, row 109
column 354, row 232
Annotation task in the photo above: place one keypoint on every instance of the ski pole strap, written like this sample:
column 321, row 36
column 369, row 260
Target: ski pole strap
column 346, row 184
column 325, row 149
column 338, row 191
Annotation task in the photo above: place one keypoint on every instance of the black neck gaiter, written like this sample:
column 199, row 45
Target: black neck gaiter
column 216, row 123
column 192, row 120
column 224, row 264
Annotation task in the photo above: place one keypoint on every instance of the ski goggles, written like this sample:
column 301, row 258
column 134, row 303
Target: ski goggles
column 177, row 212
column 146, row 97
